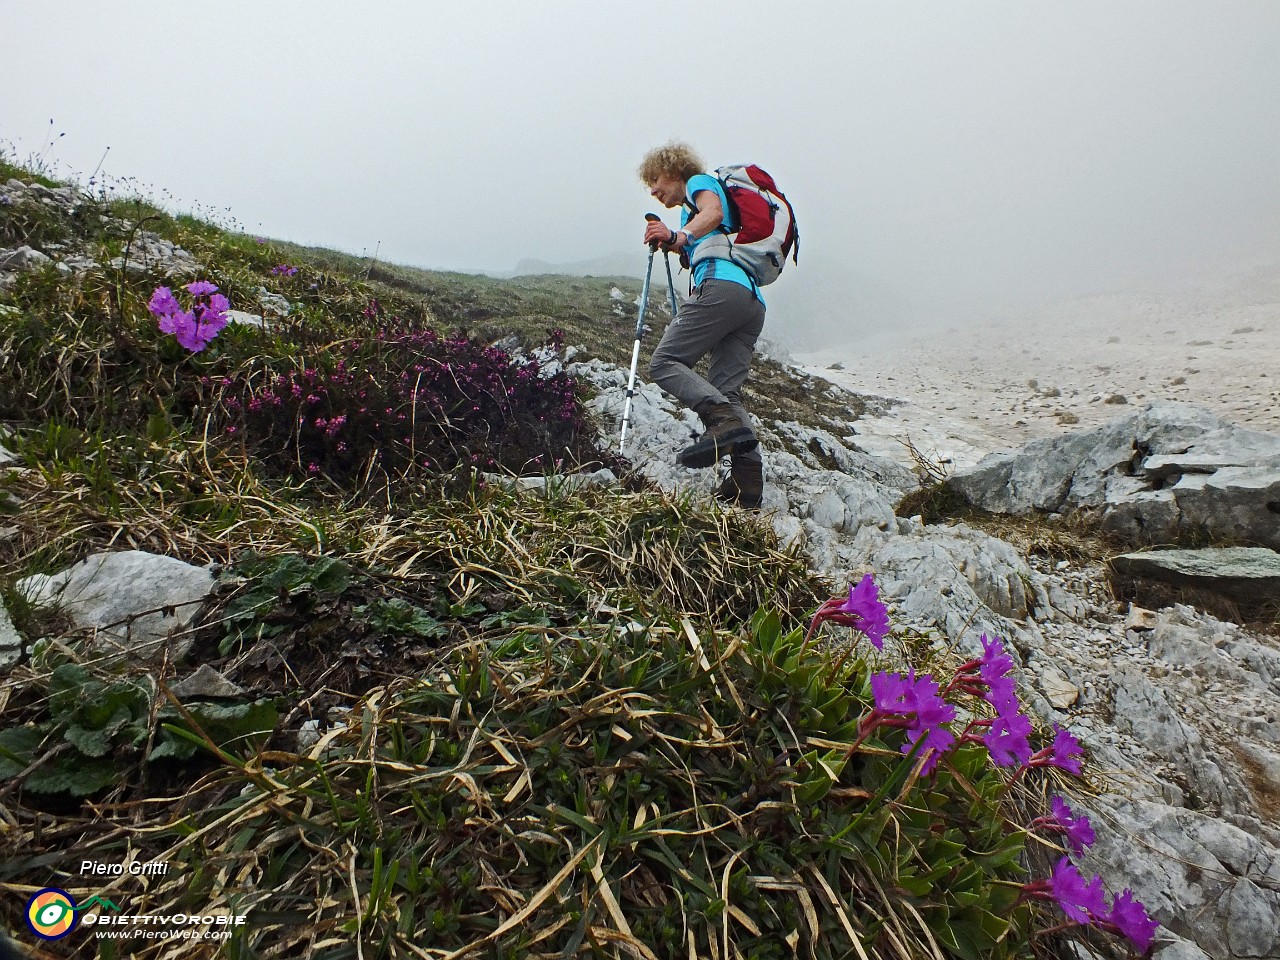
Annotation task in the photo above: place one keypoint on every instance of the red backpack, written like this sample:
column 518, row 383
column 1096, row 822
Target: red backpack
column 764, row 228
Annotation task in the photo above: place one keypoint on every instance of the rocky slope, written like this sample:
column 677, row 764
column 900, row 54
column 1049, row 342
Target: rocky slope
column 1180, row 711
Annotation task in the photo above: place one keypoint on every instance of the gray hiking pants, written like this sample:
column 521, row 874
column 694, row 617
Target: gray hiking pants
column 723, row 319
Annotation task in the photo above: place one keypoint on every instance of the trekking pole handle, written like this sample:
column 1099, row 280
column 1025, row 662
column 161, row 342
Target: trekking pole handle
column 653, row 218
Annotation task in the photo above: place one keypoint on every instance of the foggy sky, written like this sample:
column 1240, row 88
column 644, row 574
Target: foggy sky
column 943, row 157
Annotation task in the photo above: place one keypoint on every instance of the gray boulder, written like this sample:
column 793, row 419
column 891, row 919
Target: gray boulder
column 133, row 600
column 1248, row 573
column 1164, row 474
column 22, row 259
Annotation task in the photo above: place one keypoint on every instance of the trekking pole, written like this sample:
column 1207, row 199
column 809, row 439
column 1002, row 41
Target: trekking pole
column 635, row 350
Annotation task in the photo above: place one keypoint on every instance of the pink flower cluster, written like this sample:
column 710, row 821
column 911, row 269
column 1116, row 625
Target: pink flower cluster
column 193, row 328
column 406, row 399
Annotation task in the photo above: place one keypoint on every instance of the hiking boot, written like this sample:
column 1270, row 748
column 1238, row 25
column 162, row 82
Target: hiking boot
column 725, row 434
column 744, row 485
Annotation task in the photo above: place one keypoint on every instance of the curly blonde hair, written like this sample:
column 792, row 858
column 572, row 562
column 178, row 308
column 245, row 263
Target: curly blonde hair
column 673, row 159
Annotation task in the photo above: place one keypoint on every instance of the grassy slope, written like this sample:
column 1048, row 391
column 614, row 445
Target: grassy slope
column 425, row 602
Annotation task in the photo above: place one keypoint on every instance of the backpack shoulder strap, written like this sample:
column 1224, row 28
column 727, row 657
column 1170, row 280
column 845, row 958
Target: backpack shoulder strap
column 730, row 212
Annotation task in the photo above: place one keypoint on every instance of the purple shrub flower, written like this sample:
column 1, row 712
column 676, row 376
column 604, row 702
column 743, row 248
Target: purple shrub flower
column 1079, row 899
column 862, row 610
column 400, row 399
column 1129, row 917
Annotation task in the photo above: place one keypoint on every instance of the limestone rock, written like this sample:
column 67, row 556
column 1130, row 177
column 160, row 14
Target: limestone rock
column 22, row 259
column 1058, row 690
column 563, row 483
column 10, row 640
column 1248, row 573
column 245, row 319
column 206, row 684
column 137, row 600
column 1206, row 880
column 1140, row 618
column 1167, row 472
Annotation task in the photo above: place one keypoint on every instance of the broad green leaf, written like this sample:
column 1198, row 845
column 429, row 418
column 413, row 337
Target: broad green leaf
column 74, row 775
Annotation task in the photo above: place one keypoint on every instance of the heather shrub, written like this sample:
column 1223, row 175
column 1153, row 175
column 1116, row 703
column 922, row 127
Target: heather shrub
column 400, row 402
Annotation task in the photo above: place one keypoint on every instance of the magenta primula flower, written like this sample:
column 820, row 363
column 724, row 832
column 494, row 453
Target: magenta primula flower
column 893, row 693
column 915, row 705
column 1065, row 752
column 1130, row 918
column 996, row 670
column 1079, row 899
column 199, row 288
column 989, row 677
column 864, row 603
column 862, row 610
column 1076, row 827
column 1008, row 740
column 1062, row 819
column 162, row 303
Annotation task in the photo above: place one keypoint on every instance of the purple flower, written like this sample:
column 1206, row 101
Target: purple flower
column 162, row 303
column 1065, row 751
column 924, row 711
column 187, row 332
column 1008, row 740
column 193, row 329
column 862, row 610
column 178, row 320
column 996, row 668
column 1078, row 829
column 1130, row 917
column 1080, row 900
column 283, row 270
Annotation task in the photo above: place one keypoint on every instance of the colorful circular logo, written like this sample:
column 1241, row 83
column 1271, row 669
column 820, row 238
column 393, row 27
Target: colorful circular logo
column 51, row 913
